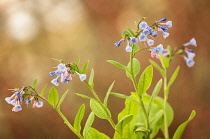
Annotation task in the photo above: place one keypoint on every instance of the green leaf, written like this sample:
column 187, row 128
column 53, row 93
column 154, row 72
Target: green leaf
column 135, row 69
column 77, row 61
column 123, row 122
column 157, row 117
column 164, row 61
column 107, row 94
column 126, row 34
column 84, row 96
column 99, row 109
column 182, row 127
column 85, row 67
column 141, row 129
column 162, row 72
column 122, row 96
column 90, row 81
column 145, row 80
column 155, row 93
column 131, row 108
column 78, row 118
column 34, row 84
column 53, row 97
column 131, row 32
column 136, row 48
column 173, row 77
column 88, row 124
column 117, row 64
column 95, row 134
column 43, row 91
column 62, row 98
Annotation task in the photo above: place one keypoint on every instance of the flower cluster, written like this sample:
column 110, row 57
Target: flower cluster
column 66, row 73
column 144, row 32
column 159, row 49
column 190, row 53
column 18, row 97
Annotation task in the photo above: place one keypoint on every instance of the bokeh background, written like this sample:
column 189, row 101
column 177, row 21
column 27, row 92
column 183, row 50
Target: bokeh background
column 34, row 31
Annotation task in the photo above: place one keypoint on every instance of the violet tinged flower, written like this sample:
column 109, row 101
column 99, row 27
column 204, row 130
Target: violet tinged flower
column 154, row 33
column 142, row 37
column 163, row 19
column 167, row 24
column 150, row 42
column 55, row 81
column 128, row 48
column 52, row 73
column 190, row 62
column 133, row 40
column 118, row 43
column 165, row 34
column 17, row 108
column 82, row 77
column 164, row 29
column 39, row 104
column 8, row 100
column 191, row 42
column 143, row 25
column 158, row 49
column 61, row 67
column 146, row 31
column 28, row 101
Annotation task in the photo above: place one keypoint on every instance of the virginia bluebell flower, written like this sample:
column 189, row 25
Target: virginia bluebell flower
column 165, row 34
column 39, row 104
column 154, row 33
column 168, row 24
column 82, row 77
column 55, row 81
column 133, row 40
column 191, row 42
column 142, row 37
column 143, row 25
column 189, row 59
column 128, row 47
column 163, row 19
column 118, row 43
column 158, row 49
column 150, row 42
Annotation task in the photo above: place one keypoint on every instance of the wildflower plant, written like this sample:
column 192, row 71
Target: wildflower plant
column 144, row 115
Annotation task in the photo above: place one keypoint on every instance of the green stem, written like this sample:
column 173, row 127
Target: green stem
column 140, row 97
column 97, row 98
column 166, row 134
column 68, row 124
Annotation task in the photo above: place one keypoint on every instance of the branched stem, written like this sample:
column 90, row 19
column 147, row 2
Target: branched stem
column 166, row 134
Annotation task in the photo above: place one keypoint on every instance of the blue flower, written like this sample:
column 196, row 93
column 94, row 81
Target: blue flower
column 142, row 37
column 118, row 43
column 164, row 29
column 17, row 108
column 61, row 67
column 52, row 73
column 159, row 49
column 143, row 25
column 8, row 100
column 154, row 33
column 128, row 48
column 39, row 104
column 146, row 31
column 165, row 34
column 150, row 42
column 55, row 82
column 163, row 19
column 167, row 24
column 82, row 77
column 190, row 62
column 28, row 101
column 133, row 40
column 189, row 59
column 191, row 42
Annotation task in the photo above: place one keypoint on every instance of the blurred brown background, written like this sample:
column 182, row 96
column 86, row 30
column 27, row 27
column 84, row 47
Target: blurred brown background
column 34, row 31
